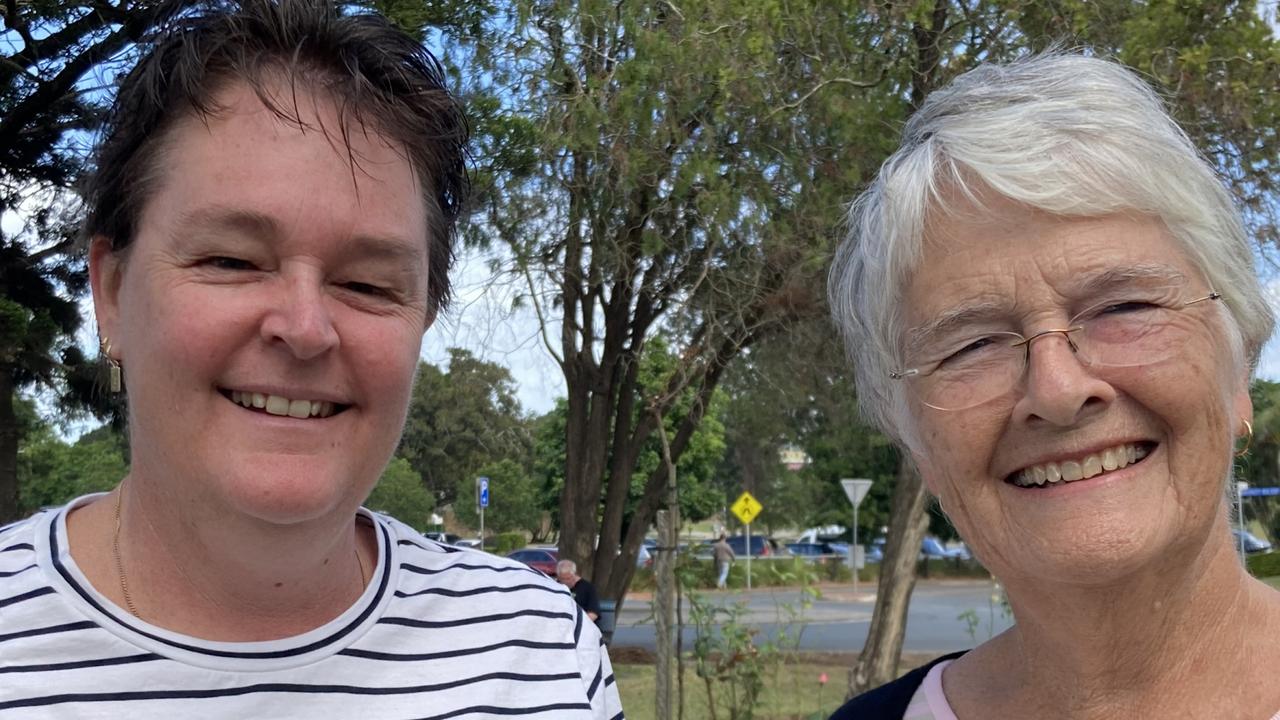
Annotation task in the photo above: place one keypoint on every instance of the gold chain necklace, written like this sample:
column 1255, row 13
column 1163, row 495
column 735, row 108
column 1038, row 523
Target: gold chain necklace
column 124, row 580
column 115, row 551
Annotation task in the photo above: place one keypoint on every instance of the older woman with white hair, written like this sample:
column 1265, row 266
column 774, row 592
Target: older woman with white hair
column 1051, row 305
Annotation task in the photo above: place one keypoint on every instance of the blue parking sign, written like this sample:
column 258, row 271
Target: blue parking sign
column 484, row 492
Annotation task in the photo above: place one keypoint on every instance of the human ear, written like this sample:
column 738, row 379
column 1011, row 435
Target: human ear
column 106, row 269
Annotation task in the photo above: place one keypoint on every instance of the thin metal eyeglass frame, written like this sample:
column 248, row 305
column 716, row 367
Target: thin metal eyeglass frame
column 1025, row 342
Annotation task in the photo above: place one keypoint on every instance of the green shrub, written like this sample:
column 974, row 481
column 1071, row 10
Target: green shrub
column 504, row 543
column 1265, row 565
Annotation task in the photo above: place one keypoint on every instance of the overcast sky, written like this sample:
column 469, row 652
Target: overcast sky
column 482, row 321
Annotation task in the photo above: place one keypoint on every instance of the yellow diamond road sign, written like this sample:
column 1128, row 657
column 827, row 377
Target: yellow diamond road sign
column 746, row 508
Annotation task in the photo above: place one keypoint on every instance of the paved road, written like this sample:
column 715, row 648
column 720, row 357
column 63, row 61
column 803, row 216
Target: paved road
column 839, row 621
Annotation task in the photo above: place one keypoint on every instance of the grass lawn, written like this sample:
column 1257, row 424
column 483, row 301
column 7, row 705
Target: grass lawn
column 1273, row 582
column 794, row 694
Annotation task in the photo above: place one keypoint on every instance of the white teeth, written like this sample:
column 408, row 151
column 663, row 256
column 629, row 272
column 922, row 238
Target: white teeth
column 1071, row 471
column 1109, row 461
column 277, row 405
column 1038, row 474
column 1090, row 466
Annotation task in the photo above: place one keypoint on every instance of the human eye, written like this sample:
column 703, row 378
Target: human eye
column 1126, row 307
column 972, row 351
column 226, row 262
column 369, row 289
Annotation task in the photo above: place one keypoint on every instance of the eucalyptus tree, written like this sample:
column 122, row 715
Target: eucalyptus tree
column 672, row 169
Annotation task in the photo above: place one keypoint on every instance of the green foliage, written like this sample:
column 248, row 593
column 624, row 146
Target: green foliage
column 732, row 657
column 797, row 391
column 726, row 657
column 700, row 497
column 53, row 472
column 1260, row 466
column 514, row 499
column 1265, row 565
column 459, row 420
column 400, row 494
column 507, row 542
column 663, row 171
column 52, row 48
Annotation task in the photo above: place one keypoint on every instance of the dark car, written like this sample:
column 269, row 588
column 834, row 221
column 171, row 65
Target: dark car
column 812, row 550
column 541, row 559
column 443, row 537
column 761, row 546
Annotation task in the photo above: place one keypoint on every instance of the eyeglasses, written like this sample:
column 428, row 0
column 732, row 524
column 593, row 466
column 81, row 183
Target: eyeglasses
column 965, row 367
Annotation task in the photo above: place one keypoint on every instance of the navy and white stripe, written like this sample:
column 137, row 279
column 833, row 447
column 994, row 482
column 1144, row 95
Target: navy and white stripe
column 439, row 633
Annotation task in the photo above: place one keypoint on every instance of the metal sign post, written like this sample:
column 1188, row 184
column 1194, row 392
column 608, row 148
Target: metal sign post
column 855, row 490
column 747, row 508
column 482, row 500
column 1240, row 488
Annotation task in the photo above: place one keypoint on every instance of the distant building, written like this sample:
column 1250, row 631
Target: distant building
column 793, row 457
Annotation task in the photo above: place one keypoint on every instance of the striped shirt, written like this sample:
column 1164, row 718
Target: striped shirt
column 439, row 632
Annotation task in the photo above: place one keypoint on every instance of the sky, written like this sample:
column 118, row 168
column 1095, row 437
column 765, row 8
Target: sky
column 482, row 321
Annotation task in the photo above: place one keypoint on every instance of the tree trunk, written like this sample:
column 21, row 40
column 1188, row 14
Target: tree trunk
column 878, row 662
column 8, row 451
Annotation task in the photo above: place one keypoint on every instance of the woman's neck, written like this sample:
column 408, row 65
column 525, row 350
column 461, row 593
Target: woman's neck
column 219, row 578
column 1165, row 643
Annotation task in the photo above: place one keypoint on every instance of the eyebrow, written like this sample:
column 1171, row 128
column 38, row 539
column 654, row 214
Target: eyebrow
column 264, row 227
column 1090, row 284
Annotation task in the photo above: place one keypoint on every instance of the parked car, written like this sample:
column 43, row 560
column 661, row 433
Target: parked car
column 1252, row 543
column 761, row 546
column 875, row 551
column 541, row 559
column 933, row 548
column 468, row 543
column 813, row 550
column 443, row 537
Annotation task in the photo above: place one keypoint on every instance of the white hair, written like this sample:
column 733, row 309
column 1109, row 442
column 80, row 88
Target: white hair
column 1060, row 132
column 568, row 566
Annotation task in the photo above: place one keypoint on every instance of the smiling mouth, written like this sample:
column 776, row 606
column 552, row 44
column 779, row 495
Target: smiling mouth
column 283, row 406
column 1089, row 466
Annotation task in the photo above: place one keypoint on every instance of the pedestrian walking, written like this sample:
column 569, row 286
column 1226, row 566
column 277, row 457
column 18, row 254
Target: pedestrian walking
column 724, row 557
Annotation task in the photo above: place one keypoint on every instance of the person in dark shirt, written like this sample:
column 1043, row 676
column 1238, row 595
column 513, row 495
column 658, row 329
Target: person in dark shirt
column 584, row 592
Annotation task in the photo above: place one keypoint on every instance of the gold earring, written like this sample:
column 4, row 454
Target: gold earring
column 1248, row 438
column 114, row 381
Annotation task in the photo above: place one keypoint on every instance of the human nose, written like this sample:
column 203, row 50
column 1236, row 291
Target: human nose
column 1058, row 386
column 301, row 320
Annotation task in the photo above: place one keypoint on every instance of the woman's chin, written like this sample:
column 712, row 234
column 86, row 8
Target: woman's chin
column 1101, row 558
column 287, row 499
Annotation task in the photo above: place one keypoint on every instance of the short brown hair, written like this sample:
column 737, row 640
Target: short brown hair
column 376, row 74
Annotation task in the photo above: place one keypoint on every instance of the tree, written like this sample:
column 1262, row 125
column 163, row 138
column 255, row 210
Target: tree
column 53, row 472
column 797, row 391
column 459, row 420
column 58, row 55
column 699, row 495
column 672, row 170
column 514, row 502
column 400, row 494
